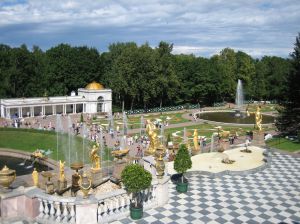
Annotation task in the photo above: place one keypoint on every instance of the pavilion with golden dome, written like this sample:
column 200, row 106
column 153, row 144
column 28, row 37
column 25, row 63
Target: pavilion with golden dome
column 94, row 98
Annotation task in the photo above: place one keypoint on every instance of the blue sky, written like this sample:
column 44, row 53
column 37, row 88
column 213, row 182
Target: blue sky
column 201, row 27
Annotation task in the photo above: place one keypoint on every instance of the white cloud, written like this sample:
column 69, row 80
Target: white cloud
column 201, row 26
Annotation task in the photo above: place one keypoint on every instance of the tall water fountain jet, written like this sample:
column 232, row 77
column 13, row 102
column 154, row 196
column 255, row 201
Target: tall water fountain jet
column 162, row 134
column 185, row 138
column 70, row 142
column 142, row 125
column 212, row 143
column 125, row 125
column 84, row 136
column 239, row 97
column 58, row 130
column 110, row 121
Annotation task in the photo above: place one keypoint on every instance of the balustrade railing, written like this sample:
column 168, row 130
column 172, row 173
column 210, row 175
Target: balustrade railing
column 56, row 210
column 108, row 207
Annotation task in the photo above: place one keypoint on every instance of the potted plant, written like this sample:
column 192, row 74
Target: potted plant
column 182, row 163
column 135, row 179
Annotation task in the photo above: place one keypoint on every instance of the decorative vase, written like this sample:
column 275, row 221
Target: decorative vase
column 160, row 168
column 85, row 184
column 7, row 176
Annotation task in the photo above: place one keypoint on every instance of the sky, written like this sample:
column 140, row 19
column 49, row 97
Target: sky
column 199, row 27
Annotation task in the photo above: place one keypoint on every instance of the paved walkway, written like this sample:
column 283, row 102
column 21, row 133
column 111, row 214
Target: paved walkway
column 269, row 196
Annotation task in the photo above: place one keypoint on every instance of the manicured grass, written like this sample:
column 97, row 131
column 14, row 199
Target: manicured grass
column 29, row 140
column 208, row 129
column 284, row 144
column 264, row 108
column 134, row 121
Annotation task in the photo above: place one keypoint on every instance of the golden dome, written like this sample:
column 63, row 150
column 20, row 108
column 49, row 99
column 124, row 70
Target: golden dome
column 94, row 86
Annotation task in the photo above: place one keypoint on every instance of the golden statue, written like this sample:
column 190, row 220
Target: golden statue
column 35, row 177
column 95, row 158
column 62, row 171
column 258, row 117
column 196, row 145
column 154, row 142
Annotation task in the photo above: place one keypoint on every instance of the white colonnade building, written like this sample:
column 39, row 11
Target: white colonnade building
column 94, row 98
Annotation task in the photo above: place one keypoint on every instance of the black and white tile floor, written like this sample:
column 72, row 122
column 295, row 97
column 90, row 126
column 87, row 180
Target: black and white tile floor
column 268, row 196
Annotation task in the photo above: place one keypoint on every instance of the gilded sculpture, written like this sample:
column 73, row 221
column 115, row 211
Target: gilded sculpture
column 95, row 158
column 152, row 134
column 258, row 117
column 61, row 170
column 196, row 145
column 35, row 177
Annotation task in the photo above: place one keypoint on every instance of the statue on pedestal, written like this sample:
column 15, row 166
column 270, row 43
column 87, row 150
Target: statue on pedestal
column 258, row 117
column 95, row 158
column 35, row 177
column 62, row 171
column 62, row 181
column 196, row 144
column 154, row 142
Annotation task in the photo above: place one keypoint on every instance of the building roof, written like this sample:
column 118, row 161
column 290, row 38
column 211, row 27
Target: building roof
column 94, row 86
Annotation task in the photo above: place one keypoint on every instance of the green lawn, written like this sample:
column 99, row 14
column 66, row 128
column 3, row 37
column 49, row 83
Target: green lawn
column 134, row 121
column 264, row 108
column 208, row 129
column 29, row 140
column 284, row 144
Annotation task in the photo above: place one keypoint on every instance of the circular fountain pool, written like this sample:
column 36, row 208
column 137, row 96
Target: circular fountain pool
column 21, row 166
column 229, row 117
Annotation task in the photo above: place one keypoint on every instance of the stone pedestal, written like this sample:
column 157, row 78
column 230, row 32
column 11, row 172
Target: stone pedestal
column 258, row 138
column 162, row 191
column 49, row 187
column 118, row 168
column 61, row 185
column 96, row 175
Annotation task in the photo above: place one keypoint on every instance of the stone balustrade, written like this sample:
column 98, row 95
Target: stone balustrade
column 34, row 204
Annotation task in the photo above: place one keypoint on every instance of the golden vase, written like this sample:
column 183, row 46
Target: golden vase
column 7, row 176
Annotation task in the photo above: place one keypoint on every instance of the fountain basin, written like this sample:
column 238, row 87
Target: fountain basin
column 212, row 162
column 229, row 117
column 14, row 163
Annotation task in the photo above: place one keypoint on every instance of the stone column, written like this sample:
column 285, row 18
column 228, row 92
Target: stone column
column 64, row 108
column 43, row 110
column 19, row 112
column 74, row 108
column 53, row 109
column 31, row 111
column 8, row 112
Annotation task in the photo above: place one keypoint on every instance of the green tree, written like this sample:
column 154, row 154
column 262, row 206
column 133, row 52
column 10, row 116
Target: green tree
column 5, row 74
column 182, row 160
column 135, row 179
column 289, row 120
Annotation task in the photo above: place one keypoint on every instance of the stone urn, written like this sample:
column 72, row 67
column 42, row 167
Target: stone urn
column 85, row 184
column 7, row 176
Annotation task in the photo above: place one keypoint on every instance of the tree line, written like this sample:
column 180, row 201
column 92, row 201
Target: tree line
column 141, row 76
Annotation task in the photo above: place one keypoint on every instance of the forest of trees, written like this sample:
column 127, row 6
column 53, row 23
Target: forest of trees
column 141, row 76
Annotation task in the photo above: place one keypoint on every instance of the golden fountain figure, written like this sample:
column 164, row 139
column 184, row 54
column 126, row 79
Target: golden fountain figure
column 195, row 140
column 62, row 181
column 258, row 117
column 154, row 141
column 95, row 158
column 35, row 178
column 62, row 171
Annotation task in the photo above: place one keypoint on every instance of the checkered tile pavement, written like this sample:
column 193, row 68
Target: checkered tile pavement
column 269, row 196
